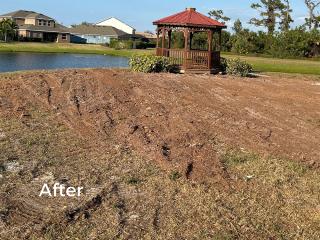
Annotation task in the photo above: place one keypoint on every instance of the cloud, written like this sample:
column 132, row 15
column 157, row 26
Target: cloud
column 301, row 18
column 230, row 24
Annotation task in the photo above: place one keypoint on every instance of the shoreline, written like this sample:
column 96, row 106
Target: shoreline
column 33, row 71
column 260, row 63
column 28, row 47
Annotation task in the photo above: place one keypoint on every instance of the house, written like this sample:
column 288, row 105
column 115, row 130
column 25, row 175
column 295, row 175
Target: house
column 38, row 27
column 147, row 35
column 116, row 23
column 96, row 34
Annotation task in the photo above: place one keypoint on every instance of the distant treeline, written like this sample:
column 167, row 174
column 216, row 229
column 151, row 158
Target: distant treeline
column 297, row 42
column 279, row 39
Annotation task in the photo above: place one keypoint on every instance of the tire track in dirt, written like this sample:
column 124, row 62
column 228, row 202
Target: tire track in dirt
column 180, row 122
column 174, row 122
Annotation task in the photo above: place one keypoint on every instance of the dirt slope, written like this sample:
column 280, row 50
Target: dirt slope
column 183, row 122
column 177, row 118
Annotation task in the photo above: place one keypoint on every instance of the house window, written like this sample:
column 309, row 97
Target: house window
column 40, row 22
column 36, row 35
column 64, row 37
column 49, row 24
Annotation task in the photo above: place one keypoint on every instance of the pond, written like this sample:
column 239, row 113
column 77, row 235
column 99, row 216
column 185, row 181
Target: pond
column 10, row 62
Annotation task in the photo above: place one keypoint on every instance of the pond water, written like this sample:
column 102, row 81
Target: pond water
column 10, row 62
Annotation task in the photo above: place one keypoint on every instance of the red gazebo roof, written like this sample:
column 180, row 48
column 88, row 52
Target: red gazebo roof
column 189, row 17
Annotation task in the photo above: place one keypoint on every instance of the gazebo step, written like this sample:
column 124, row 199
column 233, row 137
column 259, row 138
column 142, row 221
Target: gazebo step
column 201, row 71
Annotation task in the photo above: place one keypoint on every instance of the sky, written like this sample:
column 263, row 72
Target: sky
column 139, row 14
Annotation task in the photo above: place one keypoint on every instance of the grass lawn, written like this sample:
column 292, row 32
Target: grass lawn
column 67, row 48
column 260, row 64
column 264, row 64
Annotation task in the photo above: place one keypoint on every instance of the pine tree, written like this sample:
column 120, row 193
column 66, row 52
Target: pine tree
column 270, row 11
column 219, row 16
column 313, row 21
column 286, row 18
column 237, row 27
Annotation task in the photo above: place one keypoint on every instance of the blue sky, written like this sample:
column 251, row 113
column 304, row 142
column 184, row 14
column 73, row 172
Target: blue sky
column 138, row 14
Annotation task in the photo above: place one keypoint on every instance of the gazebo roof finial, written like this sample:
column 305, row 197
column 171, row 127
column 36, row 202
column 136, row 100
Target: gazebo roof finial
column 191, row 9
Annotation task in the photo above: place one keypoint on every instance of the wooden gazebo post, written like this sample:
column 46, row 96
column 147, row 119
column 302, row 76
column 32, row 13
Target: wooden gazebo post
column 186, row 48
column 169, row 38
column 163, row 40
column 210, row 34
column 220, row 39
column 158, row 38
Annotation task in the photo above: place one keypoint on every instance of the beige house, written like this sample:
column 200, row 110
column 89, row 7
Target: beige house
column 38, row 27
column 147, row 35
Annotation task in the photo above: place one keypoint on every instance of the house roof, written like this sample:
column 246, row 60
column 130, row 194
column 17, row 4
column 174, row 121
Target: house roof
column 146, row 35
column 189, row 17
column 97, row 30
column 57, row 29
column 26, row 14
column 117, row 20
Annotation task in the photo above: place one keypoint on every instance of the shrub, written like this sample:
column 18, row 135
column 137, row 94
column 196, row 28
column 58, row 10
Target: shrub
column 223, row 64
column 144, row 45
column 129, row 44
column 150, row 64
column 246, row 42
column 237, row 67
column 121, row 44
column 295, row 43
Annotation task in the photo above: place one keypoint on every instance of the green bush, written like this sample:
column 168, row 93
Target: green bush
column 129, row 44
column 121, row 44
column 151, row 64
column 246, row 42
column 142, row 44
column 295, row 43
column 223, row 64
column 236, row 67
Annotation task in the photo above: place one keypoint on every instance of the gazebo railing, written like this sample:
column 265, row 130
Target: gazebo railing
column 191, row 59
column 197, row 59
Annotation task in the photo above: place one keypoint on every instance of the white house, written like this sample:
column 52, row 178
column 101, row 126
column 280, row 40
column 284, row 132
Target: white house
column 116, row 23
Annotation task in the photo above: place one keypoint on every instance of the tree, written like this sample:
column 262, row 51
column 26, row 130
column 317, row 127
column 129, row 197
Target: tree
column 286, row 18
column 8, row 28
column 219, row 16
column 270, row 11
column 82, row 24
column 313, row 21
column 237, row 27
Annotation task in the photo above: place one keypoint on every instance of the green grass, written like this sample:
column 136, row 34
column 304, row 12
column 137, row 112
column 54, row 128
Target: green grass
column 266, row 64
column 68, row 48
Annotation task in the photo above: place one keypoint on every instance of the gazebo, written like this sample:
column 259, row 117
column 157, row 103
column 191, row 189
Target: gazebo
column 190, row 22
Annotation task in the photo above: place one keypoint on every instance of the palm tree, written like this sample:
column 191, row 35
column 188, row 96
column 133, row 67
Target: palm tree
column 8, row 28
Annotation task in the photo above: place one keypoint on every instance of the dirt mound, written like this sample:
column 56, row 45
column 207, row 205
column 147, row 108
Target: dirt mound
column 178, row 119
column 111, row 131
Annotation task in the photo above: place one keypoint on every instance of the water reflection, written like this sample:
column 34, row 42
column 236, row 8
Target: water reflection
column 10, row 62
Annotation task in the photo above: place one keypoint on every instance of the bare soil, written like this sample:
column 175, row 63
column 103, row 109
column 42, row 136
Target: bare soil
column 110, row 130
